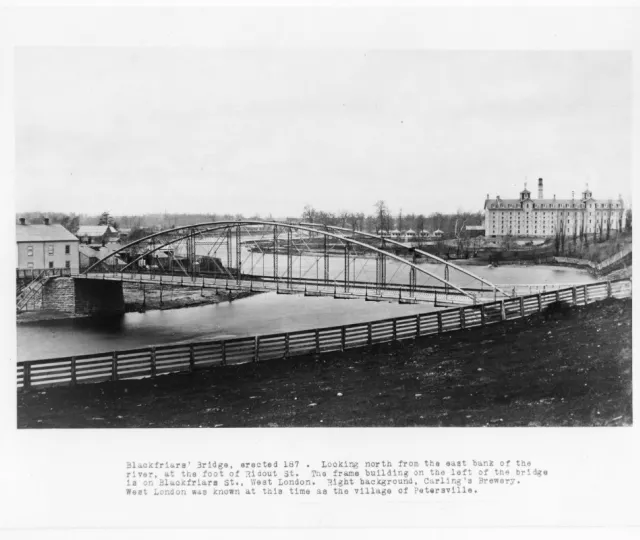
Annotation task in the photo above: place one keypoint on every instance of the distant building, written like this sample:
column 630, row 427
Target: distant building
column 90, row 255
column 438, row 233
column 474, row 230
column 123, row 234
column 46, row 246
column 545, row 217
column 97, row 234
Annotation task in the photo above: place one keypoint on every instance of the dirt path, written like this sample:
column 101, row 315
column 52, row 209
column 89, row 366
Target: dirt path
column 573, row 370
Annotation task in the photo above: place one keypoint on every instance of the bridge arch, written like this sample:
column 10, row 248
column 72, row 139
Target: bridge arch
column 150, row 244
column 417, row 250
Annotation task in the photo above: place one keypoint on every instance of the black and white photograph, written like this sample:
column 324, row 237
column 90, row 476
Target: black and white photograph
column 339, row 238
column 318, row 270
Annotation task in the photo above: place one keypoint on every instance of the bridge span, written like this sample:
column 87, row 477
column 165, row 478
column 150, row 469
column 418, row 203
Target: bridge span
column 256, row 255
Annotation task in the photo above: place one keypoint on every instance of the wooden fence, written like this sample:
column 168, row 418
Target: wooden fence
column 154, row 361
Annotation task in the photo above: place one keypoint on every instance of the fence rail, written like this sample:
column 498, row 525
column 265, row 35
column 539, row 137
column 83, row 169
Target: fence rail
column 190, row 357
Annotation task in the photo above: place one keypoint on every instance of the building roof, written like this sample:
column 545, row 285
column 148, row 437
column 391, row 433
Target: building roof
column 550, row 203
column 95, row 230
column 474, row 227
column 87, row 250
column 43, row 233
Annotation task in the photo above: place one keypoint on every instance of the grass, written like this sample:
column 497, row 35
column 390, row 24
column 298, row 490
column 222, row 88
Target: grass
column 568, row 370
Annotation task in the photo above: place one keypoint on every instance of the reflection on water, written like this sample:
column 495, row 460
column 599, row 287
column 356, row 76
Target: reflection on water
column 261, row 314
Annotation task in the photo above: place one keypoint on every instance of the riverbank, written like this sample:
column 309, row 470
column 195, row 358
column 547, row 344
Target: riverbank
column 567, row 370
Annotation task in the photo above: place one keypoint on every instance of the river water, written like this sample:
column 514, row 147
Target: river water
column 260, row 314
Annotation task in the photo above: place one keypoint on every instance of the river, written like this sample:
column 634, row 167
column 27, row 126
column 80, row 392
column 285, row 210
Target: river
column 261, row 314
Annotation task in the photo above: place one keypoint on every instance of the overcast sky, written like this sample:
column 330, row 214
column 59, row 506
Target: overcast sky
column 193, row 130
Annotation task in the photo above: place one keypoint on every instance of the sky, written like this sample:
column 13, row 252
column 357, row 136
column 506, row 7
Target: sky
column 140, row 130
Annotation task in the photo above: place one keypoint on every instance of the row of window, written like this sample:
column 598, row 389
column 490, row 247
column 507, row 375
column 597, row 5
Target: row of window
column 67, row 264
column 50, row 250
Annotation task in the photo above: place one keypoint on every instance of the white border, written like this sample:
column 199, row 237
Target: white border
column 595, row 470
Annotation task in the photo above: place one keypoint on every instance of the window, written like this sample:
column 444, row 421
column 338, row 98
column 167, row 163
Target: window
column 30, row 265
column 50, row 264
column 67, row 264
column 30, row 251
column 67, row 250
column 50, row 249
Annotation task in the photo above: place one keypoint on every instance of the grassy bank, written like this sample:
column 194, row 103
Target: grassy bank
column 570, row 370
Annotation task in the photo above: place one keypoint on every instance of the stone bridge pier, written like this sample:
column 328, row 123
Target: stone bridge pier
column 83, row 296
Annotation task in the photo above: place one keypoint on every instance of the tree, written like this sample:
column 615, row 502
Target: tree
column 382, row 212
column 136, row 233
column 71, row 223
column 628, row 226
column 309, row 213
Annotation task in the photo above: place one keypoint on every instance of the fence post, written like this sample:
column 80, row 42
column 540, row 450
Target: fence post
column 521, row 306
column 482, row 319
column 395, row 330
column 609, row 291
column 462, row 318
column 114, row 366
column 574, row 294
column 286, row 345
column 153, row 361
column 539, row 303
column 224, row 353
column 26, row 377
column 369, row 334
column 503, row 313
column 192, row 360
column 586, row 294
column 256, row 349
column 73, row 371
column 417, row 326
column 343, row 338
column 439, row 322
column 317, row 344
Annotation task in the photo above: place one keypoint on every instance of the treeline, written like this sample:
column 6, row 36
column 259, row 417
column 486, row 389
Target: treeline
column 382, row 219
column 71, row 222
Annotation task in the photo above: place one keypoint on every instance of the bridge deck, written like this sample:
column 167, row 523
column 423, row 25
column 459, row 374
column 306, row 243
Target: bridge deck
column 390, row 292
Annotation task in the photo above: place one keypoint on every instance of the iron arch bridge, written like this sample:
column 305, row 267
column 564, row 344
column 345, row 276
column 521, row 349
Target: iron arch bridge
column 292, row 258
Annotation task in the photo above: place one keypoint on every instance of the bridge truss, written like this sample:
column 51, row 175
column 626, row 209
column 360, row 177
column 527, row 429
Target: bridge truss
column 293, row 258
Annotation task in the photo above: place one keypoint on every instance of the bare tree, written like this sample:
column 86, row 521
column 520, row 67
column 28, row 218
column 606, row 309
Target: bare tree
column 309, row 213
column 382, row 212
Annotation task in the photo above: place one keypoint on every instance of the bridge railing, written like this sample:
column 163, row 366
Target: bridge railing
column 190, row 357
column 33, row 273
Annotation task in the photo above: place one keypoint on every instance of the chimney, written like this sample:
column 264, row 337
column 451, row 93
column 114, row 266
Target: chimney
column 23, row 221
column 540, row 188
column 46, row 221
